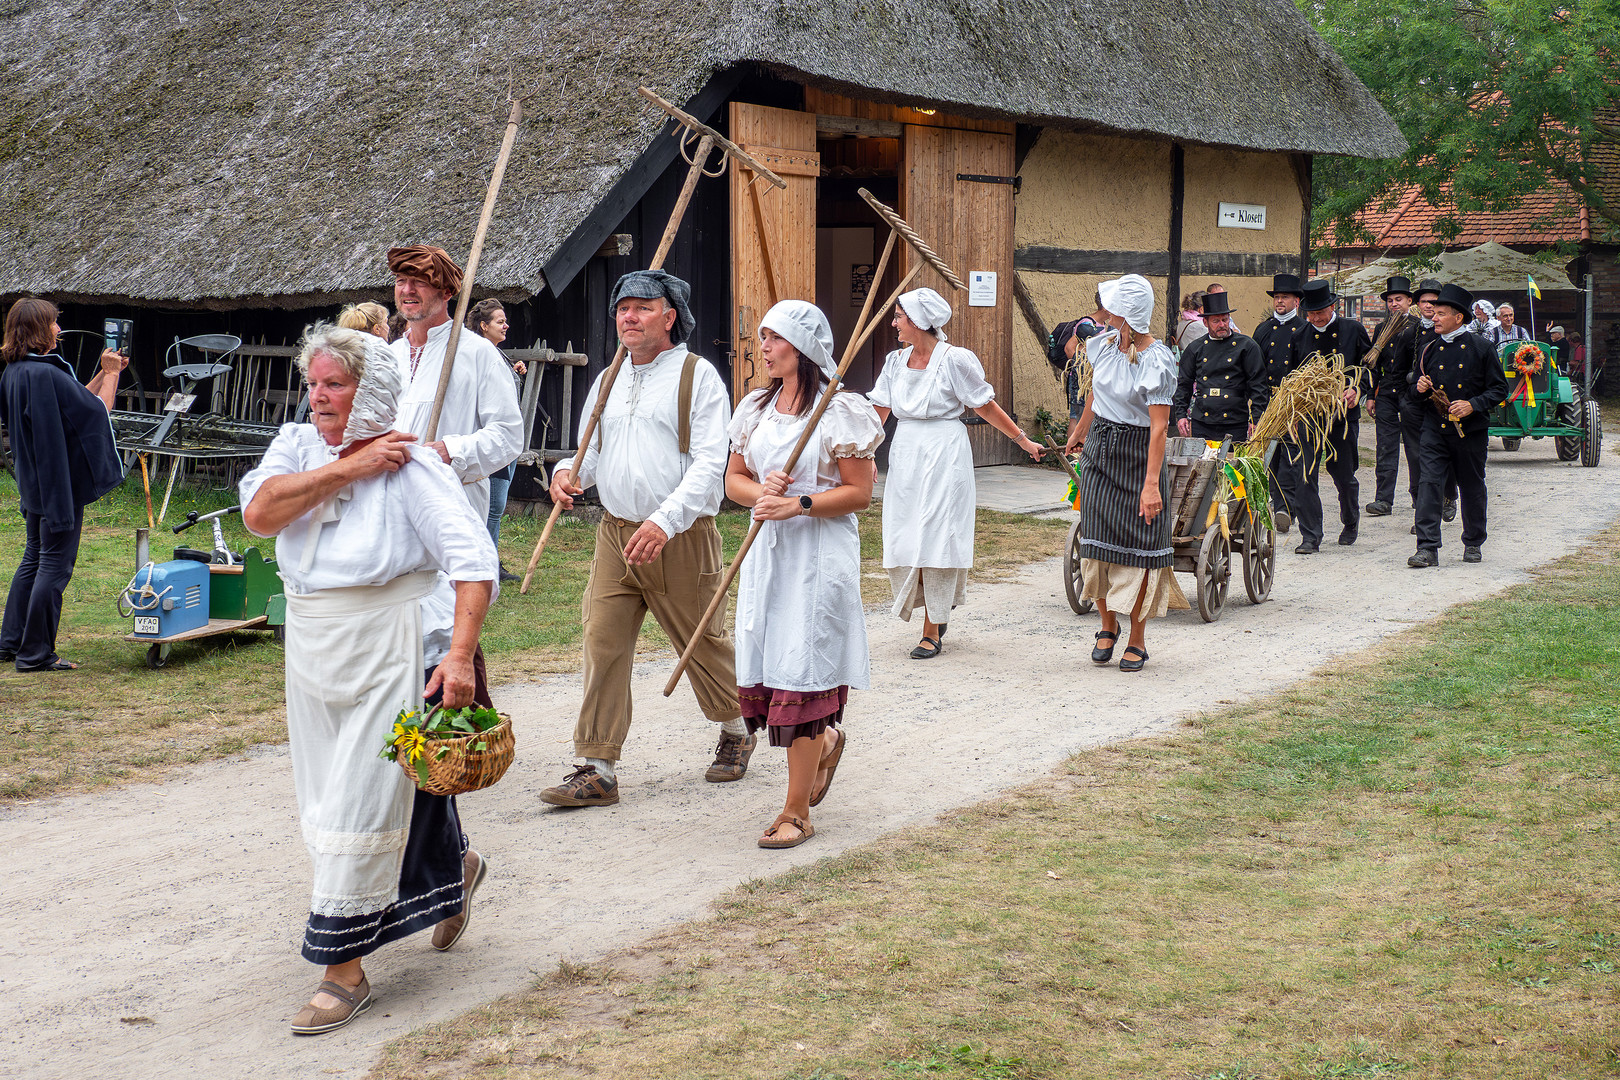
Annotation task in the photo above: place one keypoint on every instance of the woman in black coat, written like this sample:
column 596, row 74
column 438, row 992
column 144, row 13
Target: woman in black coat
column 66, row 458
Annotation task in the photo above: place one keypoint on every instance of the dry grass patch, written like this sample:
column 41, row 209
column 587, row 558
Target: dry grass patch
column 1404, row 867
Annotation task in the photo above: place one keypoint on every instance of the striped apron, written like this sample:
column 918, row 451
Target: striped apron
column 1113, row 466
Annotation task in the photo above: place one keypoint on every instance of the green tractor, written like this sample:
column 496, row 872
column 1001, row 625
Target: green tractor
column 1544, row 402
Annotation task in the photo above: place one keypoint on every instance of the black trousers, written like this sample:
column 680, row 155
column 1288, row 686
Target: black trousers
column 1341, row 439
column 1216, row 432
column 34, row 604
column 1413, row 410
column 1461, row 459
column 1387, row 410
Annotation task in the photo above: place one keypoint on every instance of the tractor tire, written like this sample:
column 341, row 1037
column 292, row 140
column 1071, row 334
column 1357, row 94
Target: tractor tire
column 1592, row 445
column 1570, row 414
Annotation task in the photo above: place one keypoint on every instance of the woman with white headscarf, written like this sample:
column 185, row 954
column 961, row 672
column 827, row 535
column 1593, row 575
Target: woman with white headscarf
column 928, row 496
column 1125, row 546
column 801, row 632
column 364, row 525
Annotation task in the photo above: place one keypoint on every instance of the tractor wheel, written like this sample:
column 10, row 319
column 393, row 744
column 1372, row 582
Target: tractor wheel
column 1511, row 444
column 1071, row 573
column 1259, row 562
column 1592, row 445
column 1213, row 572
column 1570, row 414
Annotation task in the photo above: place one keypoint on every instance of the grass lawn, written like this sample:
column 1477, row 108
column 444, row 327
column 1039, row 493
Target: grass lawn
column 116, row 720
column 1405, row 866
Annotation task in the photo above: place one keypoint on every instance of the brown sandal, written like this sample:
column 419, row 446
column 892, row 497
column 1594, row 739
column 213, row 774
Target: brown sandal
column 769, row 840
column 829, row 766
column 313, row 1021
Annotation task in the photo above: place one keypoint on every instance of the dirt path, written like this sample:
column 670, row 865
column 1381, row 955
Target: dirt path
column 154, row 930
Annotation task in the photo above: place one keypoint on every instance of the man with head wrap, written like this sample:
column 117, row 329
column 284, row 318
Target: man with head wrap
column 481, row 426
column 658, row 462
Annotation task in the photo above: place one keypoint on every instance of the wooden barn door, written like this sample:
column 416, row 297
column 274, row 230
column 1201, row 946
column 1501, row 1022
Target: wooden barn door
column 773, row 230
column 956, row 189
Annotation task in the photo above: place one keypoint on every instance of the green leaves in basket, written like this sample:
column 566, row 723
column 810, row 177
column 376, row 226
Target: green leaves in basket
column 421, row 771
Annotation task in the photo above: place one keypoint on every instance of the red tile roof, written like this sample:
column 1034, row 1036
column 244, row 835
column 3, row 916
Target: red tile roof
column 1544, row 217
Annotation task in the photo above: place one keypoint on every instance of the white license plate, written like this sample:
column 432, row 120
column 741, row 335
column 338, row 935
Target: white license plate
column 146, row 624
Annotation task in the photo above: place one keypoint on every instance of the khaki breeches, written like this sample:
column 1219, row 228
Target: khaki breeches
column 676, row 587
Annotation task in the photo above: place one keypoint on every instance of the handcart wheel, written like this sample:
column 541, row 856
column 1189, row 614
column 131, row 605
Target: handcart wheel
column 1214, row 572
column 1570, row 414
column 1071, row 573
column 157, row 656
column 1592, row 445
column 1510, row 443
column 1259, row 561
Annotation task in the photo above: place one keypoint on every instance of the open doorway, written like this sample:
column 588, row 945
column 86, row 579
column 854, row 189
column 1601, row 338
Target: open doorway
column 849, row 241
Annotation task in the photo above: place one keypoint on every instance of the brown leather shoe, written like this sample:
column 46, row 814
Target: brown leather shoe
column 583, row 787
column 473, row 872
column 313, row 1021
column 731, row 758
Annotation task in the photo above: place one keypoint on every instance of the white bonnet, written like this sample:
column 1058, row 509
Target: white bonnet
column 376, row 399
column 927, row 309
column 806, row 329
column 1131, row 298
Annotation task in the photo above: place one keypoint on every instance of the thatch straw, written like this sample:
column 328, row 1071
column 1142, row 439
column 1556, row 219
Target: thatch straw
column 1307, row 403
column 1082, row 373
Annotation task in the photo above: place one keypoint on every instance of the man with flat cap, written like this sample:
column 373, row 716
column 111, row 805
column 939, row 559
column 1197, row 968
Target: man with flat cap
column 1275, row 336
column 658, row 462
column 481, row 425
column 1463, row 367
column 1222, row 389
column 1325, row 332
column 1384, row 405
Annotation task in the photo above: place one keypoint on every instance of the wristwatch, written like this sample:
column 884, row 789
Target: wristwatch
column 804, row 504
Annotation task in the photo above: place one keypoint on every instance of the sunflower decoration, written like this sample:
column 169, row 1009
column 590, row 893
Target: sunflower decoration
column 416, row 730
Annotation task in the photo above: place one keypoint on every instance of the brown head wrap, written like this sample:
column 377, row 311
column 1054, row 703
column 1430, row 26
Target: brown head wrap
column 431, row 264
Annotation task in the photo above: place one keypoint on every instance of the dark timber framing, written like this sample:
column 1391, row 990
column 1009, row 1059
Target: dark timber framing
column 1178, row 199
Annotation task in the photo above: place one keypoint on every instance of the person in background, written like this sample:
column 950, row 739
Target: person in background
column 1190, row 323
column 1228, row 372
column 1560, row 344
column 1384, row 405
column 1064, row 348
column 396, row 327
column 1276, row 336
column 487, row 318
column 1505, row 329
column 1577, row 361
column 65, row 458
column 1485, row 322
column 370, row 317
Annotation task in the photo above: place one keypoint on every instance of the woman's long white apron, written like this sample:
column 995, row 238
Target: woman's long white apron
column 354, row 659
column 800, row 625
column 928, row 495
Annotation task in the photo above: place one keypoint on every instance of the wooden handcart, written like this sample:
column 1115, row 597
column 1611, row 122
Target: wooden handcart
column 1202, row 547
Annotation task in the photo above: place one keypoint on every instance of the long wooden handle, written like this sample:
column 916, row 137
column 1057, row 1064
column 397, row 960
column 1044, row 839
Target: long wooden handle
column 465, row 296
column 854, row 346
column 693, row 174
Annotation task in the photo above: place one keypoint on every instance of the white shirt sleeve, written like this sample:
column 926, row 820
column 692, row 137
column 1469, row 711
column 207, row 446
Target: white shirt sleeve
column 456, row 541
column 497, row 437
column 850, row 428
column 882, row 394
column 966, row 376
column 281, row 459
column 711, row 413
column 1159, row 379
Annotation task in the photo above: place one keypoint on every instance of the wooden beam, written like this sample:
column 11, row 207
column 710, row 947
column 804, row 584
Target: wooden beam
column 1302, row 176
column 1031, row 313
column 1055, row 260
column 1178, row 200
column 619, row 244
column 858, row 127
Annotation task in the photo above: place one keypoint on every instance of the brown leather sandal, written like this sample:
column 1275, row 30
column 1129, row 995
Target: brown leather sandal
column 770, row 840
column 829, row 766
column 313, row 1021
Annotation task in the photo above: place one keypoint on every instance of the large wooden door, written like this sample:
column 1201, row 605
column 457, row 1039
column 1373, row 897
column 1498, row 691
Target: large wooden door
column 773, row 230
column 956, row 190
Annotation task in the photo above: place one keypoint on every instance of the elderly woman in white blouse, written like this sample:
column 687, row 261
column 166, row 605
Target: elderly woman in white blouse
column 364, row 523
column 801, row 632
column 928, row 495
column 1125, row 545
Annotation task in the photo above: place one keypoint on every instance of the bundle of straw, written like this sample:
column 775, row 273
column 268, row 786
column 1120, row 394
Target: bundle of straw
column 1308, row 402
column 1082, row 373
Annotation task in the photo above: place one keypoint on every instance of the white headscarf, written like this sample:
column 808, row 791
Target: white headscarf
column 1131, row 298
column 927, row 309
column 806, row 329
column 376, row 399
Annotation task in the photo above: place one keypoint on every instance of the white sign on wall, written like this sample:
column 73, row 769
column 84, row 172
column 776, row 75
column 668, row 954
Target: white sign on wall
column 981, row 288
column 1241, row 216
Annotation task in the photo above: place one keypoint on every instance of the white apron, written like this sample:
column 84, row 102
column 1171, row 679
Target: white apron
column 928, row 495
column 800, row 625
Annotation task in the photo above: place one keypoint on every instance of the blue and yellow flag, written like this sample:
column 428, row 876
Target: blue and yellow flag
column 1535, row 292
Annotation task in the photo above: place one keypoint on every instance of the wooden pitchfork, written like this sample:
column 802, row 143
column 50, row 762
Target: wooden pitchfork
column 688, row 126
column 868, row 322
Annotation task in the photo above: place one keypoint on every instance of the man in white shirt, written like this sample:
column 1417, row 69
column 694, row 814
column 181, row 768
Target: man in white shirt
column 657, row 548
column 481, row 426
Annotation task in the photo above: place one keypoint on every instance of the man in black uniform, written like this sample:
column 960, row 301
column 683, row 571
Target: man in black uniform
column 1466, row 368
column 1230, row 376
column 1412, row 407
column 1325, row 332
column 1384, row 405
column 1275, row 337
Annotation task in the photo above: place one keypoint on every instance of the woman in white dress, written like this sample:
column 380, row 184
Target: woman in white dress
column 364, row 524
column 801, row 632
column 928, row 496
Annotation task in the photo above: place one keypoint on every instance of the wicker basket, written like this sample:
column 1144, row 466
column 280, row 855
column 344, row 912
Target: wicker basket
column 460, row 768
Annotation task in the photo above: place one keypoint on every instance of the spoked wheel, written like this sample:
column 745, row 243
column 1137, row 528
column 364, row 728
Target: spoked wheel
column 1071, row 573
column 1570, row 414
column 157, row 656
column 1592, row 445
column 1214, row 573
column 1259, row 561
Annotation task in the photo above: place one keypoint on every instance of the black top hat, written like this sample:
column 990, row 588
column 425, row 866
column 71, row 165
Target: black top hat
column 1397, row 285
column 1428, row 285
column 1287, row 284
column 1455, row 296
column 1216, row 303
column 1318, row 295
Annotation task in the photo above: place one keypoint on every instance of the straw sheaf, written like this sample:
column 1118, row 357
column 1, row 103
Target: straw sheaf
column 1308, row 401
column 215, row 154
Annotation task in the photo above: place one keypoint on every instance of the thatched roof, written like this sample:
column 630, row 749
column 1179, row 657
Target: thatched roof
column 205, row 152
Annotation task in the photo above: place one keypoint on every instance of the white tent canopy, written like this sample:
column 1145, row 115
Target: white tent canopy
column 1489, row 268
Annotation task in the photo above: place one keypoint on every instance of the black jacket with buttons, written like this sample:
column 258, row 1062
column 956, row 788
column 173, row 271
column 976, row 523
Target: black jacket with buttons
column 1276, row 342
column 1230, row 376
column 1347, row 337
column 1465, row 367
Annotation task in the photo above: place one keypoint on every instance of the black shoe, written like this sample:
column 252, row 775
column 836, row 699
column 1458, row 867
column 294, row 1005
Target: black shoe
column 1448, row 512
column 1424, row 557
column 1306, row 548
column 1133, row 663
column 1348, row 536
column 1414, row 530
column 1100, row 655
column 1379, row 509
column 1471, row 554
column 1282, row 519
column 507, row 575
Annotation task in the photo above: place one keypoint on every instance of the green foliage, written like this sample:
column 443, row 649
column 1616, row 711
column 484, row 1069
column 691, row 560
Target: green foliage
column 1497, row 98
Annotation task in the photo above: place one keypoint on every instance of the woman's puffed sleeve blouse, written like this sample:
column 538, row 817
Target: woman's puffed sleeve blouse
column 849, row 428
column 1122, row 391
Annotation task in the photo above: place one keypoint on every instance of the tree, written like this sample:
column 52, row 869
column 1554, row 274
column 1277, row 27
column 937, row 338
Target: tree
column 1497, row 99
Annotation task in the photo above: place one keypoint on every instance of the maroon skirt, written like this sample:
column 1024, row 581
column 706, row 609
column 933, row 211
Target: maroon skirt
column 791, row 714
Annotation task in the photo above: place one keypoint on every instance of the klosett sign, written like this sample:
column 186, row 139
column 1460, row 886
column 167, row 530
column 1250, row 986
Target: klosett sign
column 1241, row 216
